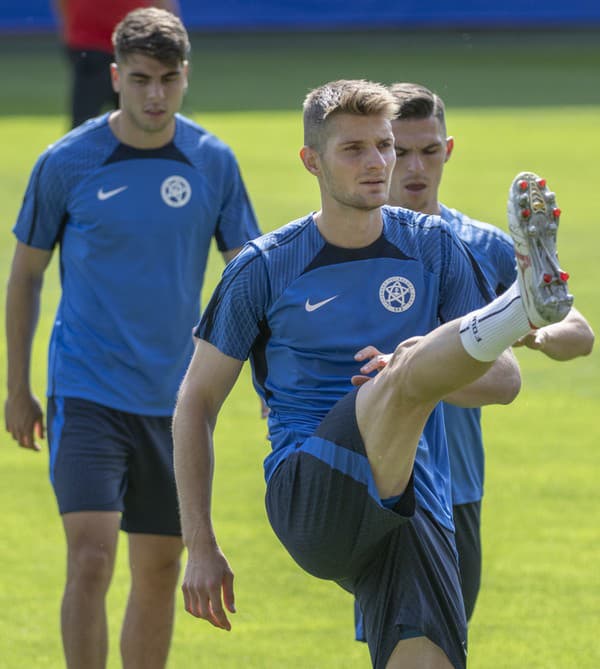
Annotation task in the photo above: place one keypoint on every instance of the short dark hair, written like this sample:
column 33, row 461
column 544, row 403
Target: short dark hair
column 417, row 102
column 151, row 32
column 345, row 96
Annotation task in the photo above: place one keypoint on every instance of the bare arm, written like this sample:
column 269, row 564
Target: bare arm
column 568, row 339
column 22, row 410
column 499, row 385
column 207, row 383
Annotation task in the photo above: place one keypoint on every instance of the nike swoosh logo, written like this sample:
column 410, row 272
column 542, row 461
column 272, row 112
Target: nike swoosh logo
column 104, row 195
column 317, row 305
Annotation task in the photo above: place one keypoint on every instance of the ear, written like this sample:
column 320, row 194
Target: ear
column 114, row 77
column 310, row 159
column 449, row 148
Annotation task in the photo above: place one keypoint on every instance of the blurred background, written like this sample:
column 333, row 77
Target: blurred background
column 473, row 53
column 239, row 15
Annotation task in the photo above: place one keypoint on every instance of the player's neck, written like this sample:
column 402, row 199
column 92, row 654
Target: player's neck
column 349, row 228
column 131, row 134
column 429, row 207
column 433, row 208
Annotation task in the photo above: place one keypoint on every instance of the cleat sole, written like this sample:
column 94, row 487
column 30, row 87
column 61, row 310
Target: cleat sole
column 533, row 219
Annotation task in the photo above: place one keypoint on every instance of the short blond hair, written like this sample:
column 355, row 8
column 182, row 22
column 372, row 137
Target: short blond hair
column 345, row 96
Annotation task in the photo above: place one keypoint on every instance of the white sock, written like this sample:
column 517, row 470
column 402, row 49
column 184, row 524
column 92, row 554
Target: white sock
column 487, row 332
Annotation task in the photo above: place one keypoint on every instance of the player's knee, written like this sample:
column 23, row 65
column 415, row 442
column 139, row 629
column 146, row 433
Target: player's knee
column 90, row 566
column 509, row 390
column 161, row 573
column 403, row 375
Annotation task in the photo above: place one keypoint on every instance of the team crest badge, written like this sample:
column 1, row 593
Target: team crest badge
column 176, row 191
column 397, row 294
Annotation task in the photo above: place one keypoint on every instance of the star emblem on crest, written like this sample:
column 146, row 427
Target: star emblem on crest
column 397, row 294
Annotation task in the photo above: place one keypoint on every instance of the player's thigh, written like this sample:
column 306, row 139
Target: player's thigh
column 88, row 455
column 418, row 653
column 91, row 544
column 154, row 558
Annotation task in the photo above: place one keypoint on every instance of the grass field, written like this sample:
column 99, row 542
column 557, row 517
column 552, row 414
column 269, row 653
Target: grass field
column 513, row 104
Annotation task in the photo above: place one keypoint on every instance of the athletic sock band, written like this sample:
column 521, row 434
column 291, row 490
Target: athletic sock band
column 487, row 332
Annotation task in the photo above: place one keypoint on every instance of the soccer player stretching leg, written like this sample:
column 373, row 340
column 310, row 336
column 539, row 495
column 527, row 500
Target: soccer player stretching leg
column 358, row 479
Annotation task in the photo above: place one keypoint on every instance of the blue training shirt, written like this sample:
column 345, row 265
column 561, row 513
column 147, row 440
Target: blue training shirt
column 300, row 308
column 134, row 228
column 493, row 250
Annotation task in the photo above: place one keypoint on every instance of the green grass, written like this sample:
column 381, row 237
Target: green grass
column 513, row 104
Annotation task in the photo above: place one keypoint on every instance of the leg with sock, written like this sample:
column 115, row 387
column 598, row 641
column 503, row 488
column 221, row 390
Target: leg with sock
column 539, row 296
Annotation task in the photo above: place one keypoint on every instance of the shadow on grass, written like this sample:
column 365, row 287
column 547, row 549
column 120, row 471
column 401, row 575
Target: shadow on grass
column 258, row 71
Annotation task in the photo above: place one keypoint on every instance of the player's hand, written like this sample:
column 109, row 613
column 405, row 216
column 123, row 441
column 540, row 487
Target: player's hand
column 207, row 577
column 534, row 340
column 24, row 419
column 376, row 361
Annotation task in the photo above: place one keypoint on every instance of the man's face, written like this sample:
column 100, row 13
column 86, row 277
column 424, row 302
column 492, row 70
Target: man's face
column 355, row 166
column 422, row 148
column 150, row 93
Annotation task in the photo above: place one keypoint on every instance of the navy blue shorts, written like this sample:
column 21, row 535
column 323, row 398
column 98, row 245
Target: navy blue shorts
column 399, row 563
column 467, row 523
column 102, row 459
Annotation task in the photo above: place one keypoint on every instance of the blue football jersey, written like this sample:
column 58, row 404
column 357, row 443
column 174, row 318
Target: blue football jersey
column 300, row 308
column 134, row 229
column 493, row 250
